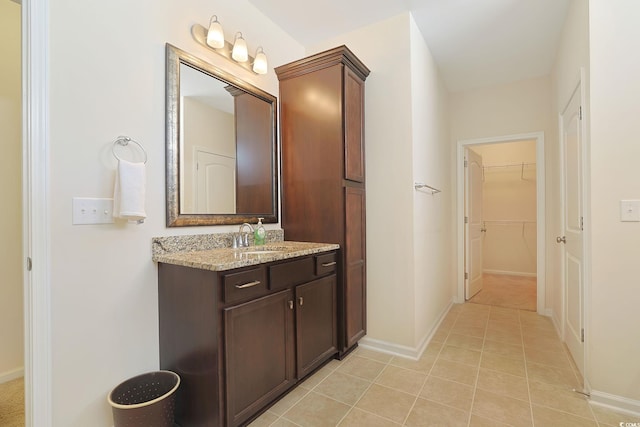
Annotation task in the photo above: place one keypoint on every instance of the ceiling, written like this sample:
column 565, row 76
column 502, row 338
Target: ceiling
column 475, row 43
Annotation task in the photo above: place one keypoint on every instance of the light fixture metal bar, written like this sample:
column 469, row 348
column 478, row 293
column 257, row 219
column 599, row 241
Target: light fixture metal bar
column 199, row 34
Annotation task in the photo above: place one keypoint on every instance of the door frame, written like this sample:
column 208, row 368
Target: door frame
column 540, row 210
column 36, row 213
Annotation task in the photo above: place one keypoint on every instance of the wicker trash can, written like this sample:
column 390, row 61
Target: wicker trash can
column 145, row 400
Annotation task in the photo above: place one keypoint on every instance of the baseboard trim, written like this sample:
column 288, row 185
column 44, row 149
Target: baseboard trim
column 11, row 375
column 407, row 352
column 509, row 273
column 616, row 403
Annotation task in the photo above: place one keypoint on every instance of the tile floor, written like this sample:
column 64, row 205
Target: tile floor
column 507, row 291
column 485, row 366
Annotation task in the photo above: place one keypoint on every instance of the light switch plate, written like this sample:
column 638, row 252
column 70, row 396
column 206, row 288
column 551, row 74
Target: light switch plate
column 630, row 210
column 92, row 211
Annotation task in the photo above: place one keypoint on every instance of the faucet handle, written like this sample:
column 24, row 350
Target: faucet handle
column 245, row 241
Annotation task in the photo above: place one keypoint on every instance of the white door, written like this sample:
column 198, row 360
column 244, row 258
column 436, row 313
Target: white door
column 215, row 183
column 473, row 223
column 572, row 224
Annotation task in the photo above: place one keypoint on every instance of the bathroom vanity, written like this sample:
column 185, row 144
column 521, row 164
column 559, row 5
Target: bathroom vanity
column 243, row 326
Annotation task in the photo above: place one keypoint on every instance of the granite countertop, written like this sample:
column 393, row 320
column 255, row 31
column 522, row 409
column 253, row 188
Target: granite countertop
column 221, row 259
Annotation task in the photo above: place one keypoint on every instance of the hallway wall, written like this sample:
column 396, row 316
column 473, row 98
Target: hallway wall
column 614, row 338
column 11, row 295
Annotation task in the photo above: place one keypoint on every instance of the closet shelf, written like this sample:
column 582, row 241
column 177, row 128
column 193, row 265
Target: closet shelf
column 521, row 165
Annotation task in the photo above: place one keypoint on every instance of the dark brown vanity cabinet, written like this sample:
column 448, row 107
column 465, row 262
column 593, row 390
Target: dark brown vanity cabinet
column 323, row 170
column 241, row 338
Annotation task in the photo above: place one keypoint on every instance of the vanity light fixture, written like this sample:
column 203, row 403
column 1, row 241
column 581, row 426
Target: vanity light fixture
column 215, row 35
column 238, row 52
column 260, row 62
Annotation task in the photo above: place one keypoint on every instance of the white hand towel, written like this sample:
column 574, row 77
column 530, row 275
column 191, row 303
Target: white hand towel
column 129, row 191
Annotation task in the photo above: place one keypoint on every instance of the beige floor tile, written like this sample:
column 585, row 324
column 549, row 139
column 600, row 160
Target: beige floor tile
column 507, row 326
column 499, row 363
column 283, row 422
column 359, row 418
column 461, row 355
column 504, row 314
column 387, row 403
column 477, row 421
column 448, row 393
column 503, row 336
column 503, row 384
column 469, row 330
column 440, row 335
column 362, row 367
column 315, row 410
column 475, row 308
column 422, row 365
column 559, row 359
column 454, row 371
column 427, row 413
column 374, row 355
column 464, row 341
column 560, row 398
column 547, row 417
column 264, row 420
column 320, row 375
column 512, row 351
column 343, row 388
column 542, row 342
column 284, row 404
column 610, row 417
column 402, row 379
column 501, row 408
column 551, row 375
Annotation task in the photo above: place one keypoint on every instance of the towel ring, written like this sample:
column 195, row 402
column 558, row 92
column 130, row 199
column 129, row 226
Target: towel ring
column 124, row 141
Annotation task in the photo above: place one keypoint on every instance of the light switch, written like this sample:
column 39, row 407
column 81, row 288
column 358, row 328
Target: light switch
column 92, row 211
column 630, row 210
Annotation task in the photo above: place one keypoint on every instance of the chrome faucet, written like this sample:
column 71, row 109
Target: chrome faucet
column 242, row 240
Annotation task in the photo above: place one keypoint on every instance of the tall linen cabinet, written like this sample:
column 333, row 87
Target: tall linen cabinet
column 323, row 170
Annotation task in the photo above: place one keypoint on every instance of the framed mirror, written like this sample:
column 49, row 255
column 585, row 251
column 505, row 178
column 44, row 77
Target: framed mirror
column 220, row 146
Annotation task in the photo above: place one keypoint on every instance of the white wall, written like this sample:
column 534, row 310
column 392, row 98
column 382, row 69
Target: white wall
column 614, row 338
column 406, row 139
column 107, row 77
column 509, row 109
column 432, row 214
column 509, row 194
column 11, row 330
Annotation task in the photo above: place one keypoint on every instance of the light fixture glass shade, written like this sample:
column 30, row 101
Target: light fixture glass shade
column 260, row 62
column 239, row 52
column 215, row 35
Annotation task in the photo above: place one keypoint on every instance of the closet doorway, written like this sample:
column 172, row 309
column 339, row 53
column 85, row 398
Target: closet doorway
column 511, row 259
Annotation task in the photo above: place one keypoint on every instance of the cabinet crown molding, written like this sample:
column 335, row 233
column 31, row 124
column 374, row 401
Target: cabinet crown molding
column 339, row 55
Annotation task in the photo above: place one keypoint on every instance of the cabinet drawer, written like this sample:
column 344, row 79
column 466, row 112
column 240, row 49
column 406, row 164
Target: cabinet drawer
column 291, row 273
column 326, row 263
column 244, row 284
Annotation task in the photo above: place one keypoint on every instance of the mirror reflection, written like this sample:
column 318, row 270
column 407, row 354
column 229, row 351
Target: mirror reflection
column 220, row 146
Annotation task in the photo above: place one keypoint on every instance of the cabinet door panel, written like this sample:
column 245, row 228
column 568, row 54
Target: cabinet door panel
column 316, row 323
column 259, row 354
column 354, row 139
column 355, row 274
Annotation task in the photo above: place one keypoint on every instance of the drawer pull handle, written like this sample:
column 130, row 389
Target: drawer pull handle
column 248, row 285
column 301, row 301
column 329, row 264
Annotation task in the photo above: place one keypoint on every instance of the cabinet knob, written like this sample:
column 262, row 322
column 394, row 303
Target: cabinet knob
column 300, row 300
column 291, row 305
